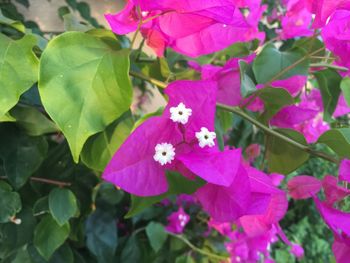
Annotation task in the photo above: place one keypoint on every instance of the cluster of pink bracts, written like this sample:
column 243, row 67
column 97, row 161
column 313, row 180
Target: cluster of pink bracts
column 183, row 138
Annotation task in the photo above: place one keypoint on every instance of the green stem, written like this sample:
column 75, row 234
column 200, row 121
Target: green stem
column 196, row 249
column 324, row 65
column 276, row 134
column 153, row 81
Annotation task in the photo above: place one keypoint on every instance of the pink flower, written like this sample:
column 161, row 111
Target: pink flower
column 252, row 152
column 190, row 27
column 344, row 170
column 332, row 190
column 182, row 139
column 177, row 221
column 336, row 35
column 303, row 186
column 306, row 117
column 325, row 8
column 297, row 251
column 341, row 250
column 227, row 78
column 296, row 22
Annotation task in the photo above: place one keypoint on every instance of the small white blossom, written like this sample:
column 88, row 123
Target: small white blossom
column 206, row 137
column 144, row 13
column 180, row 113
column 165, row 153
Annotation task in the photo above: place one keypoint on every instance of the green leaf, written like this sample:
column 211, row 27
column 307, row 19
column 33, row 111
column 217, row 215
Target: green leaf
column 311, row 45
column 274, row 100
column 156, row 235
column 15, row 24
column 99, row 149
column 282, row 157
column 22, row 154
column 10, row 203
column 41, row 206
column 71, row 23
column 329, row 84
column 184, row 259
column 159, row 69
column 7, row 118
column 131, row 252
column 272, row 64
column 338, row 140
column 177, row 184
column 19, row 69
column 14, row 236
column 49, row 236
column 345, row 87
column 63, row 205
column 84, row 85
column 110, row 194
column 33, row 121
column 248, row 86
column 101, row 233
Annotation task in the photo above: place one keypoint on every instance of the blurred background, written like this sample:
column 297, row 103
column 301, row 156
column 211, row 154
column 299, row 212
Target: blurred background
column 44, row 12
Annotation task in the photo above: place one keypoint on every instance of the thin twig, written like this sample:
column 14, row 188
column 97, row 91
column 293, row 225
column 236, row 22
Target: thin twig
column 153, row 81
column 45, row 181
column 194, row 248
column 276, row 134
column 325, row 65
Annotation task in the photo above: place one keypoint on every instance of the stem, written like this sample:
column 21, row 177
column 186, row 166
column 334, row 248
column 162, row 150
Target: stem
column 319, row 65
column 276, row 134
column 194, row 248
column 46, row 181
column 153, row 81
column 138, row 27
column 296, row 63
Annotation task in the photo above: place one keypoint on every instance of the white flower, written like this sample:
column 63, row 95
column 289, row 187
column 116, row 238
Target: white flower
column 205, row 137
column 165, row 153
column 180, row 113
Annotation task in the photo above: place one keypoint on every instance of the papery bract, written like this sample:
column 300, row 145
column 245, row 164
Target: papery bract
column 336, row 35
column 296, row 21
column 325, row 8
column 332, row 190
column 338, row 221
column 189, row 27
column 226, row 204
column 297, row 251
column 302, row 187
column 341, row 251
column 177, row 221
column 344, row 170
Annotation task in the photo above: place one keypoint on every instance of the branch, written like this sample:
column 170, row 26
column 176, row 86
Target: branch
column 324, row 65
column 194, row 248
column 276, row 134
column 153, row 81
column 45, row 181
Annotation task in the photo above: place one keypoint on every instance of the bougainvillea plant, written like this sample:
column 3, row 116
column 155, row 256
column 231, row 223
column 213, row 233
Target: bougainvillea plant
column 247, row 159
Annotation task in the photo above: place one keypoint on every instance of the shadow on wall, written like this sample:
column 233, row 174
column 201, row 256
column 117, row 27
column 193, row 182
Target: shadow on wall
column 45, row 12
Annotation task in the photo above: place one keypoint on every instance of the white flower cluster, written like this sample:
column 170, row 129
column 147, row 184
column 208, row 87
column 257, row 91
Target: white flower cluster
column 165, row 152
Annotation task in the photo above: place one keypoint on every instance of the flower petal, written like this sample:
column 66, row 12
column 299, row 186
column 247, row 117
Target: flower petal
column 133, row 168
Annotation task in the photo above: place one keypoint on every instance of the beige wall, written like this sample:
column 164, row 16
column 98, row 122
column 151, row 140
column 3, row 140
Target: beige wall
column 45, row 14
